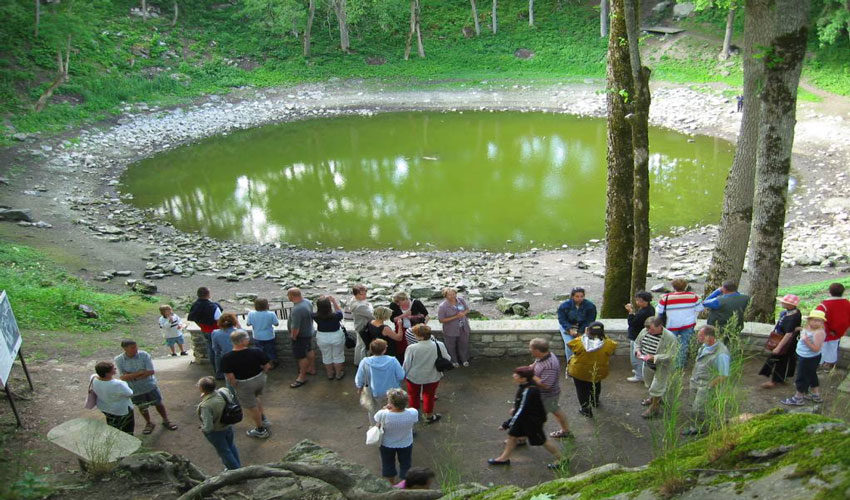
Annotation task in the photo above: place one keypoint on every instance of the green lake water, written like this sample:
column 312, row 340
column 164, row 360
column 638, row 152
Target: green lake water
column 472, row 180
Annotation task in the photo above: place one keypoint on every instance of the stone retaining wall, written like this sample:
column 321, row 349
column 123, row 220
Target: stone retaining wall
column 498, row 338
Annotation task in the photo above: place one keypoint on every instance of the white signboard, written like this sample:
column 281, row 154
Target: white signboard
column 10, row 338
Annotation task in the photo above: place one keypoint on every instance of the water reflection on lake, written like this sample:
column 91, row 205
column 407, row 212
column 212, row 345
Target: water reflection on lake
column 448, row 180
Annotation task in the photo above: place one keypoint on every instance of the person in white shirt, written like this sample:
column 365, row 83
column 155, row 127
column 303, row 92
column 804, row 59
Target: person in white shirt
column 113, row 397
column 172, row 329
column 397, row 421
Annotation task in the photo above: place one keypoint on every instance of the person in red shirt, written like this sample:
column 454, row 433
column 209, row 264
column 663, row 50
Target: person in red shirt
column 837, row 311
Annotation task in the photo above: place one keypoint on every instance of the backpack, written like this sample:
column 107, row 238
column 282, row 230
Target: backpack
column 232, row 412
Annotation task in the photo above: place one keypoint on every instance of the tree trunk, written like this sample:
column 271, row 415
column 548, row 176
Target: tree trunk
column 176, row 13
column 604, row 8
column 475, row 18
column 144, row 10
column 495, row 25
column 727, row 39
column 412, row 30
column 308, row 29
column 342, row 20
column 38, row 15
column 419, row 45
column 783, row 61
column 61, row 76
column 619, row 221
column 730, row 251
column 531, row 13
column 640, row 144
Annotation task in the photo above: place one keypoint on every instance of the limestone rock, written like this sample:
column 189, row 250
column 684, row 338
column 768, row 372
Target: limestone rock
column 506, row 304
column 519, row 310
column 88, row 311
column 143, row 286
column 683, row 9
column 15, row 214
column 660, row 288
column 309, row 452
column 491, row 295
column 425, row 293
column 523, row 53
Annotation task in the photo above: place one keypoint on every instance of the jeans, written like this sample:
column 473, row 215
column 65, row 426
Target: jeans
column 684, row 337
column 388, row 456
column 268, row 347
column 222, row 441
column 210, row 352
column 637, row 364
column 807, row 373
column 568, row 353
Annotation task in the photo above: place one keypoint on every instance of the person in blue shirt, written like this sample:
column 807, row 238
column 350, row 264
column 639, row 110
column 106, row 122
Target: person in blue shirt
column 263, row 322
column 711, row 369
column 574, row 315
column 724, row 304
column 227, row 324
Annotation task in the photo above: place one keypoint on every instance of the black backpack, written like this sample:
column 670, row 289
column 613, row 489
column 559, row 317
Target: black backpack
column 232, row 412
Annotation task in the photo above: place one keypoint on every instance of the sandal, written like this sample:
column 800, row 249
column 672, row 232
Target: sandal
column 648, row 414
column 646, row 402
column 561, row 434
column 168, row 425
column 297, row 384
column 149, row 427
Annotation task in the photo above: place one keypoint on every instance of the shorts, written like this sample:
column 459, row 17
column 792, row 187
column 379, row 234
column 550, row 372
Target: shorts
column 301, row 346
column 150, row 398
column 550, row 404
column 174, row 340
column 829, row 351
column 247, row 390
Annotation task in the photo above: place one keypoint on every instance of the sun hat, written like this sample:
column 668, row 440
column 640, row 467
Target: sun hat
column 789, row 299
column 817, row 314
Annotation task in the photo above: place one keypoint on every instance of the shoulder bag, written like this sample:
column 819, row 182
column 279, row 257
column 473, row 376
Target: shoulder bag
column 663, row 315
column 350, row 341
column 375, row 434
column 91, row 397
column 441, row 364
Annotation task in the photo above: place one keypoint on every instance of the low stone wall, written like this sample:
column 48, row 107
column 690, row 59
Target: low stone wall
column 500, row 338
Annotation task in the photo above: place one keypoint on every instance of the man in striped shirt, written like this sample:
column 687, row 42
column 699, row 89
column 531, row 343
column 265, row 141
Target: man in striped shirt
column 680, row 308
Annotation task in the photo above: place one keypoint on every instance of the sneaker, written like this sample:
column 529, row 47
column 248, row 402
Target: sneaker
column 184, row 353
column 174, row 354
column 585, row 413
column 555, row 466
column 266, row 422
column 634, row 379
column 466, row 364
column 262, row 433
column 455, row 365
column 433, row 418
column 793, row 401
column 814, row 398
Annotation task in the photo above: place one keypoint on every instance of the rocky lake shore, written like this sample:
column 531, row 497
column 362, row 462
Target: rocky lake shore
column 70, row 186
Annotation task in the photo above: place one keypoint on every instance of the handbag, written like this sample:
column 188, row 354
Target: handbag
column 350, row 341
column 91, row 397
column 773, row 341
column 663, row 315
column 442, row 364
column 375, row 434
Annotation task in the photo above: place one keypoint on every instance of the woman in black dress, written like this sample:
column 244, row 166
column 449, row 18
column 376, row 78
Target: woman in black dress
column 783, row 359
column 406, row 315
column 527, row 419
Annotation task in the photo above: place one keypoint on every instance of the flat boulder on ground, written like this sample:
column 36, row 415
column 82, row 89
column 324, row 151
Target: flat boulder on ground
column 506, row 305
column 523, row 53
column 15, row 214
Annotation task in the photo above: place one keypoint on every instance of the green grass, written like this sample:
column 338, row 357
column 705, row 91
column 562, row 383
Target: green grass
column 811, row 294
column 45, row 297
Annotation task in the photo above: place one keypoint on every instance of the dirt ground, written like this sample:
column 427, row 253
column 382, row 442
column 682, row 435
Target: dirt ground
column 473, row 402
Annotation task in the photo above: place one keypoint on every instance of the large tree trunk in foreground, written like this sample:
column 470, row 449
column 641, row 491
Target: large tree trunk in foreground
column 727, row 39
column 342, row 20
column 619, row 223
column 603, row 18
column 730, row 250
column 495, row 25
column 783, row 61
column 308, row 29
column 475, row 18
column 639, row 121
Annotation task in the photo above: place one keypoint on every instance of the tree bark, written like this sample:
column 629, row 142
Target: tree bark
column 414, row 31
column 531, row 13
column 619, row 220
column 640, row 144
column 144, row 10
column 730, row 251
column 37, row 16
column 495, row 25
column 176, row 13
column 342, row 20
column 727, row 39
column 475, row 18
column 783, row 62
column 604, row 14
column 308, row 29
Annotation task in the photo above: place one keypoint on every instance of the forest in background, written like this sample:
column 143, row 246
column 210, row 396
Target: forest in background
column 103, row 54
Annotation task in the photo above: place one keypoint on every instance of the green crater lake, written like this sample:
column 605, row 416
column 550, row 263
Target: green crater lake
column 473, row 180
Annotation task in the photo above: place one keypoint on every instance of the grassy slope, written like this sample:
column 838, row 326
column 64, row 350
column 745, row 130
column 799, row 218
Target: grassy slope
column 217, row 49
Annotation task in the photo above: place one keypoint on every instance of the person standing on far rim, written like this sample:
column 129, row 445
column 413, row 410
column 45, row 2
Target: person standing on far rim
column 205, row 313
column 574, row 316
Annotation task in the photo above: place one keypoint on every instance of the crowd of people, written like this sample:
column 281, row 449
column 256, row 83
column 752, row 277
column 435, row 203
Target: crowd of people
column 400, row 363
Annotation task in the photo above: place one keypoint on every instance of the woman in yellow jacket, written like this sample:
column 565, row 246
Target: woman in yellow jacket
column 589, row 365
